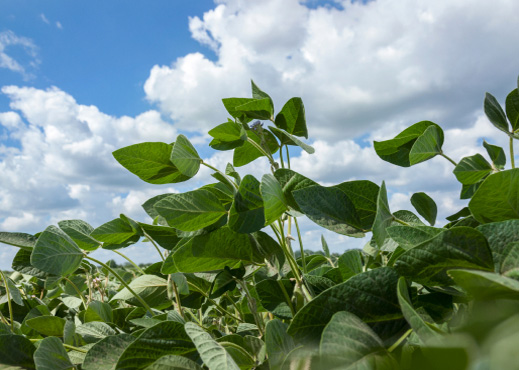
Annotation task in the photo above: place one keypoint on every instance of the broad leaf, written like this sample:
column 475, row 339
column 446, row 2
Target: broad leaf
column 350, row 263
column 16, row 350
column 151, row 162
column 499, row 236
column 348, row 343
column 292, row 118
column 47, row 325
column 22, row 264
column 94, row 331
column 165, row 338
column 425, row 206
column 291, row 181
column 166, row 237
column 98, row 311
column 247, row 213
column 152, row 289
column 512, row 108
column 409, row 237
column 105, row 353
column 149, row 208
column 116, row 231
column 14, row 292
column 80, row 232
column 455, row 248
column 497, row 199
column 495, row 113
column 257, row 93
column 20, row 240
column 370, row 295
column 185, row 157
column 383, row 218
column 486, row 285
column 257, row 109
column 363, row 194
column 278, row 342
column 220, row 248
column 422, row 329
column 274, row 200
column 56, row 253
column 496, row 154
column 427, row 145
column 330, row 208
column 190, row 211
column 275, row 296
column 212, row 354
column 287, row 139
column 174, row 362
column 51, row 355
column 398, row 150
column 248, row 152
column 231, row 103
column 472, row 169
column 227, row 136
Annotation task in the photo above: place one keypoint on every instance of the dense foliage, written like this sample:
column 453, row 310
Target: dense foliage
column 225, row 294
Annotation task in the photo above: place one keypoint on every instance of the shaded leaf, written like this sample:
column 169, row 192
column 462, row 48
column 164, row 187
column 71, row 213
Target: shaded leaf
column 495, row 113
column 425, row 206
column 273, row 198
column 16, row 350
column 278, row 342
column 105, row 353
column 292, row 118
column 247, row 213
column 152, row 289
column 496, row 154
column 486, row 285
column 80, row 232
column 383, row 218
column 20, row 240
column 51, row 355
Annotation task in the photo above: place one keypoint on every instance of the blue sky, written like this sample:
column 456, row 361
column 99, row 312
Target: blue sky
column 81, row 79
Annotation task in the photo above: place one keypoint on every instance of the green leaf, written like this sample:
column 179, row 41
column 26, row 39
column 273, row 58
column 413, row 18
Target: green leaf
column 464, row 212
column 166, row 237
column 363, row 194
column 425, row 206
column 98, row 311
column 211, row 352
column 247, row 213
column 497, row 199
column 496, row 154
column 486, row 285
column 227, row 136
column 348, row 343
column 499, row 236
column 20, row 240
column 472, row 169
column 409, row 237
column 185, row 157
column 257, row 93
column 370, row 295
column 495, row 113
column 47, row 325
column 14, row 293
column 223, row 282
column 383, row 218
column 16, row 350
column 512, row 108
column 273, row 198
column 279, row 343
column 22, row 264
column 350, row 263
column 105, row 353
column 330, row 208
column 220, row 248
column 173, row 362
column 422, row 329
column 152, row 289
column 291, row 181
column 272, row 296
column 257, row 109
column 288, row 139
column 151, row 162
column 231, row 103
column 292, row 118
column 51, row 355
column 192, row 210
column 56, row 253
column 94, row 331
column 80, row 232
column 149, row 208
column 324, row 245
column 455, row 248
column 398, row 149
column 248, row 152
column 427, row 145
column 467, row 191
column 165, row 338
column 116, row 231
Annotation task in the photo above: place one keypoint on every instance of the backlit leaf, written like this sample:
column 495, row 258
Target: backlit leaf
column 472, row 169
column 185, row 157
column 496, row 154
column 425, row 206
column 495, row 113
column 247, row 213
column 292, row 118
column 427, row 145
column 273, row 198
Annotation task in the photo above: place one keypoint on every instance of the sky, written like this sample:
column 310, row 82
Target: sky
column 79, row 80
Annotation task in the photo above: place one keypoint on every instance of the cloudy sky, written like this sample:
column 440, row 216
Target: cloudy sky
column 80, row 80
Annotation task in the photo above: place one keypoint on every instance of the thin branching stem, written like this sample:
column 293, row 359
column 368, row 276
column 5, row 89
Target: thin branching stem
column 154, row 244
column 400, row 340
column 512, row 159
column 129, row 260
column 448, row 158
column 221, row 173
column 121, row 280
column 303, row 259
column 9, row 304
column 281, row 157
column 83, row 299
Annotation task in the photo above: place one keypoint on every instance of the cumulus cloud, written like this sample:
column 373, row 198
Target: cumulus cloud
column 9, row 40
column 357, row 68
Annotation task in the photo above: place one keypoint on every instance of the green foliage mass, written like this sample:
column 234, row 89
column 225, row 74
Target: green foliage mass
column 229, row 292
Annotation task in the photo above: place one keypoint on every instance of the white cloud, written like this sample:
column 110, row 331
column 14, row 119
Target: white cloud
column 59, row 25
column 44, row 18
column 9, row 39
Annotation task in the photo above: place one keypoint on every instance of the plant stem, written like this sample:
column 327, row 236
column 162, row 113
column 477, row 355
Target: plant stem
column 139, row 298
column 281, row 157
column 234, row 304
column 303, row 258
column 154, row 244
column 287, row 297
column 288, row 156
column 223, row 310
column 252, row 305
column 400, row 221
column 177, row 298
column 129, row 260
column 75, row 348
column 3, row 318
column 257, row 146
column 221, row 173
column 400, row 340
column 83, row 299
column 512, row 159
column 448, row 158
column 9, row 304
